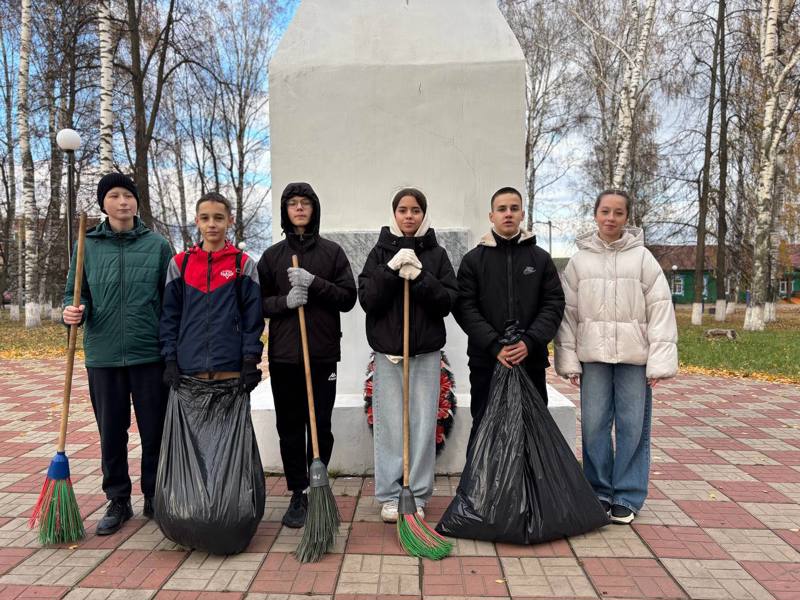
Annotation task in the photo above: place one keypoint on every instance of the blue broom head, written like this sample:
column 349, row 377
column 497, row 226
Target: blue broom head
column 59, row 467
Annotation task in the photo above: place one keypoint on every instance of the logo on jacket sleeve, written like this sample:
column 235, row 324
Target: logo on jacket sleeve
column 332, row 377
column 227, row 273
column 529, row 270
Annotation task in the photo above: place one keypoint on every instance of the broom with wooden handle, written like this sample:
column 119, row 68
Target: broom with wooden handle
column 322, row 519
column 57, row 511
column 416, row 537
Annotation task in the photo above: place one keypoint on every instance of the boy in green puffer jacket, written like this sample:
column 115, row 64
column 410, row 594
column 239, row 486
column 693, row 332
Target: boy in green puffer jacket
column 125, row 267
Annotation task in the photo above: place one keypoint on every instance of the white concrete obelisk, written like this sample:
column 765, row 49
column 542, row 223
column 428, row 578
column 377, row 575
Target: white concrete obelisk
column 368, row 96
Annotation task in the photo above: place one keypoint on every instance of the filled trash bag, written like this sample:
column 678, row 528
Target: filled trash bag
column 210, row 489
column 521, row 483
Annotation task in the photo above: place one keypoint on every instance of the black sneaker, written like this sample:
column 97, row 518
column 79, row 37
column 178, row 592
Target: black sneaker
column 148, row 511
column 119, row 510
column 295, row 516
column 621, row 515
column 606, row 506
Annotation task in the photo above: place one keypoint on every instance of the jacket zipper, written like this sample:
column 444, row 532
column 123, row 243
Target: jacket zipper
column 509, row 284
column 208, row 314
column 122, row 296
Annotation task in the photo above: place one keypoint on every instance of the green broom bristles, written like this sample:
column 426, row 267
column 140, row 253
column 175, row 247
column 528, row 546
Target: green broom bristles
column 418, row 539
column 57, row 513
column 322, row 519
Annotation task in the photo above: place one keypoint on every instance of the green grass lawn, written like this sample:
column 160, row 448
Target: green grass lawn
column 773, row 353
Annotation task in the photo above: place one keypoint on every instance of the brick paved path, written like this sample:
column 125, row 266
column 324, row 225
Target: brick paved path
column 722, row 519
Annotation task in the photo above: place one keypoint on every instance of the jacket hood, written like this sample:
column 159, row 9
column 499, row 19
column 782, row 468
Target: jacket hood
column 526, row 237
column 103, row 229
column 390, row 241
column 300, row 189
column 591, row 241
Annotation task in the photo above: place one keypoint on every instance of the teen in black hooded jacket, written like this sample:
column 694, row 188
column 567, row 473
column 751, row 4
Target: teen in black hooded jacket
column 324, row 284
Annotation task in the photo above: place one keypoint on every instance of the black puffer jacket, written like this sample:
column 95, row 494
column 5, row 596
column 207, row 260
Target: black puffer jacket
column 333, row 290
column 433, row 293
column 502, row 280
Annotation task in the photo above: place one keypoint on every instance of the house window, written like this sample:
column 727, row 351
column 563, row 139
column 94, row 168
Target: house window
column 677, row 285
column 783, row 287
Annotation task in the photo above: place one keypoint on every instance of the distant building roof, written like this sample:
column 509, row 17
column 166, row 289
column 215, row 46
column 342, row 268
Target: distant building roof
column 684, row 256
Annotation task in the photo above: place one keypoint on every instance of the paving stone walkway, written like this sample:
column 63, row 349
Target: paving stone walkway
column 722, row 520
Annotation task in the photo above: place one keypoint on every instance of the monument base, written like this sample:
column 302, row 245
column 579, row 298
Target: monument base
column 353, row 450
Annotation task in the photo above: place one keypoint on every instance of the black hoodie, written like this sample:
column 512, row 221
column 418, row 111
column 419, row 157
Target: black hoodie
column 433, row 294
column 332, row 291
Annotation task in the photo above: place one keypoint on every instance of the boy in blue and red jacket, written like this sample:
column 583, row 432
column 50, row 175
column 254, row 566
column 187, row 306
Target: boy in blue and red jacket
column 211, row 321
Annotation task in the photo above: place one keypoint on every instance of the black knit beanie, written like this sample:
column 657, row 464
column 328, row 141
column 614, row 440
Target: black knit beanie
column 111, row 181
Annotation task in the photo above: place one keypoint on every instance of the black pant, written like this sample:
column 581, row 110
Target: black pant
column 111, row 390
column 480, row 378
column 291, row 416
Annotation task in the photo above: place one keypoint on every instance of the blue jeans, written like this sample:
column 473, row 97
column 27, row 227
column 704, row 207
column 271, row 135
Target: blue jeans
column 387, row 404
column 618, row 395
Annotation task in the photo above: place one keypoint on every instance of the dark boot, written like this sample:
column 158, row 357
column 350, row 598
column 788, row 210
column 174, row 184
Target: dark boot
column 147, row 511
column 295, row 516
column 119, row 510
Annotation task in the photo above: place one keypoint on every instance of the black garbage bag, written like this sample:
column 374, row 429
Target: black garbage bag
column 521, row 482
column 210, row 489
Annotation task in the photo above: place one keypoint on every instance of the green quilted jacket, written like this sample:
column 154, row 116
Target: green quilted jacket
column 123, row 282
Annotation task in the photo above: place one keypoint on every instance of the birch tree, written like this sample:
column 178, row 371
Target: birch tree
column 106, row 86
column 779, row 70
column 631, row 84
column 32, row 311
column 11, row 258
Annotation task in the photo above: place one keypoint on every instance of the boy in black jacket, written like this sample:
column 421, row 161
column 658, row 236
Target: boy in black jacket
column 507, row 278
column 324, row 284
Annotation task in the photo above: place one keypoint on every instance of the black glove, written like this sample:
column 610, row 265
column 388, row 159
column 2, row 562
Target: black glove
column 171, row 374
column 250, row 375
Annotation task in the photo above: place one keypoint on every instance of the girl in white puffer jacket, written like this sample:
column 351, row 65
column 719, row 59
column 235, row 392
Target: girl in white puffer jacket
column 617, row 340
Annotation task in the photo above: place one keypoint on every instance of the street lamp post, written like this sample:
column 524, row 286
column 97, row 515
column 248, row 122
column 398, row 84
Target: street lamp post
column 69, row 141
column 674, row 272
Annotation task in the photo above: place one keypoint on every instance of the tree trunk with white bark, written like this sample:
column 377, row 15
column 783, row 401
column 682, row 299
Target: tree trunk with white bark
column 32, row 313
column 632, row 82
column 106, row 87
column 781, row 97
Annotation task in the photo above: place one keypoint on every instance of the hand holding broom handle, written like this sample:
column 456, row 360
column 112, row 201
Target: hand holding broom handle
column 312, row 416
column 73, row 334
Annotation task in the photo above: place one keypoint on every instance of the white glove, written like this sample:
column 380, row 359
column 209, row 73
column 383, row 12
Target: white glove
column 405, row 256
column 410, row 272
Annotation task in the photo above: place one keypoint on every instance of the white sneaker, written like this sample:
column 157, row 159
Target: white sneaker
column 420, row 512
column 389, row 511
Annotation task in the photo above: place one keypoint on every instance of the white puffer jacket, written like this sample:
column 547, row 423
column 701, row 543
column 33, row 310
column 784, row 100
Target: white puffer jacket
column 619, row 308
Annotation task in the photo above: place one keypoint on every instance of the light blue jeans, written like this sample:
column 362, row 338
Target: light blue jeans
column 618, row 395
column 387, row 406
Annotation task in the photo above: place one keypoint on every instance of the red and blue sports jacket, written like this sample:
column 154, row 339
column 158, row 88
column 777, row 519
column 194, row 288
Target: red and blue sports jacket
column 207, row 324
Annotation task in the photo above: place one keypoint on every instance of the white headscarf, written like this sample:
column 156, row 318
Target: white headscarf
column 423, row 227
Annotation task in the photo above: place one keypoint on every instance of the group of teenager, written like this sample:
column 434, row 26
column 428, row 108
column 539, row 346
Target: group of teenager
column 151, row 319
